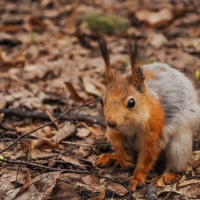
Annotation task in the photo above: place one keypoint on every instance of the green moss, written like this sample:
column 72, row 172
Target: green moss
column 124, row 66
column 147, row 61
column 105, row 23
column 33, row 37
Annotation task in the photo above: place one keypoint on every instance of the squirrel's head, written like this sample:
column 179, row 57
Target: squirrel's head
column 124, row 101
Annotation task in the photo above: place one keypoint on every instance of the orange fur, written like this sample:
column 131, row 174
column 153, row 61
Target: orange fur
column 170, row 177
column 120, row 157
column 149, row 150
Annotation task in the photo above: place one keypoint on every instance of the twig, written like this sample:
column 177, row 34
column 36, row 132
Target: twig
column 169, row 193
column 75, row 143
column 44, row 116
column 63, row 171
column 67, row 111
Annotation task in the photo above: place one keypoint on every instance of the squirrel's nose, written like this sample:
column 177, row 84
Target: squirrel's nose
column 111, row 124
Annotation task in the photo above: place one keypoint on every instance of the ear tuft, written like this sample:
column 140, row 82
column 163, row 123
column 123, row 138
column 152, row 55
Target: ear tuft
column 135, row 54
column 139, row 80
column 105, row 54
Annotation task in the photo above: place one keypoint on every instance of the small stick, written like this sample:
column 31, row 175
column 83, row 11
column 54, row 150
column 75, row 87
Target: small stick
column 44, row 116
column 74, row 143
column 166, row 197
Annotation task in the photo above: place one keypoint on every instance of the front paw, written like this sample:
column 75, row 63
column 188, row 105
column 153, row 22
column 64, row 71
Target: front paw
column 106, row 160
column 136, row 180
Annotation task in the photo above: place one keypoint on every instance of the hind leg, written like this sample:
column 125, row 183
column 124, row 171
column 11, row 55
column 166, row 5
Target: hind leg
column 178, row 154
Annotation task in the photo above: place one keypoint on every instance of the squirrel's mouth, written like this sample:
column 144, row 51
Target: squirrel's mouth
column 116, row 128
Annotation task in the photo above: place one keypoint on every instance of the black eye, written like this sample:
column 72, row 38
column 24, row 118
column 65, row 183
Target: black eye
column 131, row 103
column 102, row 102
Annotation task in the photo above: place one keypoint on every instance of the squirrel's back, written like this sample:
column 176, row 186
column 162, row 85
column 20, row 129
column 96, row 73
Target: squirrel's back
column 176, row 92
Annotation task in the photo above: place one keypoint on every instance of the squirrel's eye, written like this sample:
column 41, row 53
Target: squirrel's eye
column 131, row 103
column 102, row 102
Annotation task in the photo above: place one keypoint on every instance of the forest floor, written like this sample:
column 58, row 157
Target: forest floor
column 50, row 65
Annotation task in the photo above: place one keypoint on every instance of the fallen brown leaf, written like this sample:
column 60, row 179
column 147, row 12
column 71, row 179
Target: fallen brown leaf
column 155, row 19
column 188, row 182
column 195, row 163
column 73, row 161
column 157, row 40
column 75, row 96
column 90, row 87
column 46, row 144
column 52, row 118
column 83, row 132
column 116, row 188
column 66, row 131
column 92, row 182
column 161, row 182
column 26, row 185
column 10, row 28
column 101, row 196
column 34, row 21
column 95, row 130
column 45, row 183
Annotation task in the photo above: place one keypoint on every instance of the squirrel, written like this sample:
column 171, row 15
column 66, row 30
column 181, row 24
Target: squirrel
column 154, row 108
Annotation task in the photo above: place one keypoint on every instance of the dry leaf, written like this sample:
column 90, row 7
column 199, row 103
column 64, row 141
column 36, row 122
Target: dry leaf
column 116, row 188
column 162, row 192
column 95, row 130
column 34, row 21
column 195, row 163
column 45, row 132
column 191, row 45
column 83, row 132
column 66, row 131
column 155, row 19
column 46, row 183
column 31, row 103
column 188, row 182
column 157, row 40
column 52, row 118
column 46, row 144
column 34, row 152
column 75, row 96
column 26, row 128
column 37, row 71
column 26, row 185
column 73, row 161
column 92, row 182
column 161, row 182
column 10, row 28
column 90, row 87
column 84, row 151
column 101, row 196
column 3, row 101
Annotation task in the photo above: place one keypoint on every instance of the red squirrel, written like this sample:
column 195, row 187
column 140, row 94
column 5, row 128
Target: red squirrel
column 153, row 108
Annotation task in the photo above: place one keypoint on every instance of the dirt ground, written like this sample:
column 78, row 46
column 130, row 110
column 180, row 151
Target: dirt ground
column 50, row 65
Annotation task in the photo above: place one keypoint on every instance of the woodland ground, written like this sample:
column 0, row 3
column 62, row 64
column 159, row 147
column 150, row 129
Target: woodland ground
column 50, row 64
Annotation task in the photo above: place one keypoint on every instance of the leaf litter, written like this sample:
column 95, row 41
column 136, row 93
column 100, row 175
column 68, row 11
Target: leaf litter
column 49, row 60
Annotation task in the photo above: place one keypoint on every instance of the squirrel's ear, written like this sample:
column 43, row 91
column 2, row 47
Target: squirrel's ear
column 105, row 54
column 136, row 76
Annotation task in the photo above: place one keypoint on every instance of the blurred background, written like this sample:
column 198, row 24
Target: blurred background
column 49, row 61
